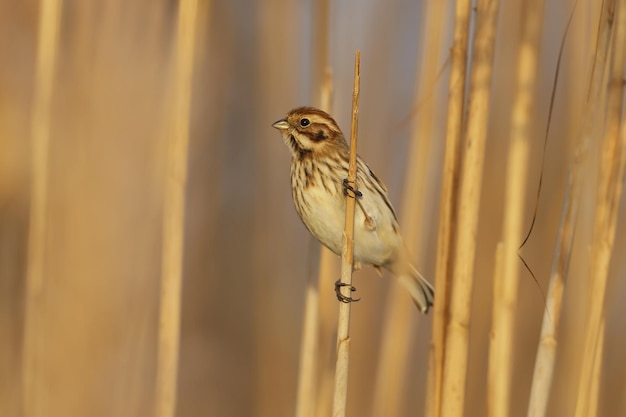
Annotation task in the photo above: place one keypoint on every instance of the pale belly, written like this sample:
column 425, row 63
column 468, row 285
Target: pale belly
column 325, row 219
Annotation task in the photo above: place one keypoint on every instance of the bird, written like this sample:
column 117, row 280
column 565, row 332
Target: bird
column 319, row 167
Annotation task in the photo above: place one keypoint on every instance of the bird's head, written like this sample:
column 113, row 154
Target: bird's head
column 310, row 131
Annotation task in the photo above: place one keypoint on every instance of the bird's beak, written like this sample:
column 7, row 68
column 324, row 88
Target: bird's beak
column 281, row 124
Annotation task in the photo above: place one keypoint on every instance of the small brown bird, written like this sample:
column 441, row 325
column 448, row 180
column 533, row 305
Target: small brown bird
column 319, row 167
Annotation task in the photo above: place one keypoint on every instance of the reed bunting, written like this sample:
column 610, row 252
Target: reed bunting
column 319, row 167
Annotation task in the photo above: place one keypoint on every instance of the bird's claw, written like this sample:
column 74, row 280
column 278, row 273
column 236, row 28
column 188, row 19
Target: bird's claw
column 347, row 187
column 342, row 298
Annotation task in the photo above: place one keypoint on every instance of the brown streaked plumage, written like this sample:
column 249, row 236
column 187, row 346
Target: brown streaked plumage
column 319, row 164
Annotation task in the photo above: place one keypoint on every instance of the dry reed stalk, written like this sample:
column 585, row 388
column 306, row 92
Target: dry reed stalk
column 328, row 271
column 306, row 399
column 327, row 327
column 391, row 370
column 307, row 381
column 32, row 350
column 506, row 279
column 174, row 213
column 457, row 331
column 347, row 264
column 546, row 351
column 610, row 185
column 320, row 49
column 329, row 267
column 597, row 371
column 447, row 204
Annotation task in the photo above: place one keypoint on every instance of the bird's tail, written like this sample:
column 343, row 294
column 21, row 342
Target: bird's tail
column 420, row 290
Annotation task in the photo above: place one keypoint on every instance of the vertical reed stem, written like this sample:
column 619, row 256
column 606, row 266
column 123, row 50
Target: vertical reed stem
column 506, row 278
column 610, row 186
column 174, row 213
column 546, row 352
column 447, row 204
column 457, row 337
column 32, row 350
column 343, row 337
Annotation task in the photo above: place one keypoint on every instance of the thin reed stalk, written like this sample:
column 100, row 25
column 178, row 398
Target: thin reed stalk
column 328, row 271
column 40, row 128
column 506, row 279
column 398, row 325
column 347, row 264
column 457, row 337
column 610, row 185
column 329, row 267
column 174, row 213
column 307, row 376
column 596, row 373
column 548, row 342
column 447, row 204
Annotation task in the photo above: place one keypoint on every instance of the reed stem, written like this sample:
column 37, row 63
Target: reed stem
column 343, row 327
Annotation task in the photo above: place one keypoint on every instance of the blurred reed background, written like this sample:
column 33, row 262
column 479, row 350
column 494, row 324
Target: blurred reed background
column 86, row 114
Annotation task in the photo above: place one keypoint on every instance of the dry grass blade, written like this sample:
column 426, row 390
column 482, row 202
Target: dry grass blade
column 343, row 326
column 451, row 167
column 174, row 214
column 546, row 135
column 506, row 278
column 457, row 337
column 49, row 21
column 610, row 185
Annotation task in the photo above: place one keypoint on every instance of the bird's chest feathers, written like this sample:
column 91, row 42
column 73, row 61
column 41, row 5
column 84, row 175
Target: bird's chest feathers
column 324, row 215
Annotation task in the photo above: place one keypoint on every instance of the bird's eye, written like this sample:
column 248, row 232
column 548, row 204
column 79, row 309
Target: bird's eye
column 305, row 122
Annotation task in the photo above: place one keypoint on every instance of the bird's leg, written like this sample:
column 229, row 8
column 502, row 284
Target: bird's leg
column 340, row 296
column 368, row 222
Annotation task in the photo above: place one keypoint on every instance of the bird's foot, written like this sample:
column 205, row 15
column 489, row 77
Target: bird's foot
column 347, row 187
column 340, row 296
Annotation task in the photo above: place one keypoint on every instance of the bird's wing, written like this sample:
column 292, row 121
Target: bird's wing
column 376, row 185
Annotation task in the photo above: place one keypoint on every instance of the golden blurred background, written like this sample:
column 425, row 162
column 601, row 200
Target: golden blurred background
column 247, row 257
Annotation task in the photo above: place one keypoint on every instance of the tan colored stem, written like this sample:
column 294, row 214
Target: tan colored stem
column 457, row 331
column 610, row 186
column 174, row 214
column 548, row 342
column 32, row 350
column 506, row 280
column 447, row 204
column 343, row 327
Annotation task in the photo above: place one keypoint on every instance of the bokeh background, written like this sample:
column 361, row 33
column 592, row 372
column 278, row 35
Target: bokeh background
column 247, row 257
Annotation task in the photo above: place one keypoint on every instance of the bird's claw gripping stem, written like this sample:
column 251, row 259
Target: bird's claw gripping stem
column 340, row 296
column 347, row 187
